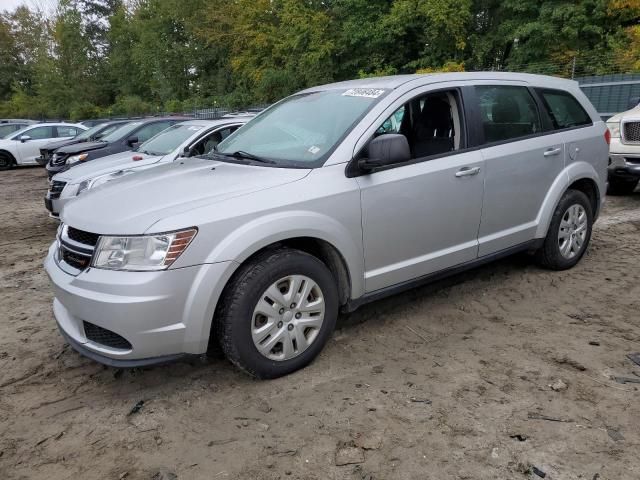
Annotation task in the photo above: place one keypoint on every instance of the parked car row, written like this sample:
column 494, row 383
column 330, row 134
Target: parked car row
column 253, row 240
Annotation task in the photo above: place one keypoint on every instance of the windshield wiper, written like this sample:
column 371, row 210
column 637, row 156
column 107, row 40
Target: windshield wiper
column 250, row 156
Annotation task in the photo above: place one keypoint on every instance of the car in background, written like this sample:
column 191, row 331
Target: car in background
column 182, row 140
column 94, row 122
column 18, row 120
column 319, row 205
column 92, row 135
column 7, row 129
column 624, row 152
column 23, row 146
column 126, row 138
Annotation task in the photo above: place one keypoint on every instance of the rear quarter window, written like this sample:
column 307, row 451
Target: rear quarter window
column 565, row 111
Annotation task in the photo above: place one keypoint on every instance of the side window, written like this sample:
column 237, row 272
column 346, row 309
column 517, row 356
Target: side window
column 565, row 111
column 145, row 133
column 432, row 124
column 507, row 112
column 211, row 140
column 40, row 133
column 67, row 131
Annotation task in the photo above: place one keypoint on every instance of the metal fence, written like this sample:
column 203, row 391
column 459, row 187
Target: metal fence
column 612, row 94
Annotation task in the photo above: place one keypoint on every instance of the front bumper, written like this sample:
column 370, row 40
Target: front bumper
column 624, row 166
column 54, row 205
column 163, row 315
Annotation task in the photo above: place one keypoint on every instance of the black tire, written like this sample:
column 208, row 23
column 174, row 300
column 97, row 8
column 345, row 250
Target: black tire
column 234, row 315
column 619, row 186
column 549, row 255
column 6, row 161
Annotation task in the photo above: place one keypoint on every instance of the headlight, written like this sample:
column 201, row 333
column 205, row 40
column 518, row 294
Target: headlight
column 101, row 180
column 77, row 158
column 142, row 253
column 614, row 129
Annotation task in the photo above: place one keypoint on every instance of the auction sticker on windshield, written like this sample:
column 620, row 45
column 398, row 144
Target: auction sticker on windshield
column 363, row 92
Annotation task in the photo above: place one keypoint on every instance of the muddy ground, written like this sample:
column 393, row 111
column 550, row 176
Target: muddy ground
column 483, row 376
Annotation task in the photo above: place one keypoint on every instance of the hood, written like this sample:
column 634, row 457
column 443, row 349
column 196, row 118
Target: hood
column 632, row 114
column 104, row 165
column 81, row 147
column 59, row 143
column 131, row 205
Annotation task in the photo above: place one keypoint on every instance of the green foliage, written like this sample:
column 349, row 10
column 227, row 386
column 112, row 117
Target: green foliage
column 131, row 57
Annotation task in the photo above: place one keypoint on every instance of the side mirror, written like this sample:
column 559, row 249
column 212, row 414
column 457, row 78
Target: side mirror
column 132, row 141
column 25, row 138
column 186, row 152
column 386, row 150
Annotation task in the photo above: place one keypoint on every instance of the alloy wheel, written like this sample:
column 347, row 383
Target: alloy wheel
column 573, row 231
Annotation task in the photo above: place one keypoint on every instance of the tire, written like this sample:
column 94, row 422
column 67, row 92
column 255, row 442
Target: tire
column 241, row 328
column 618, row 186
column 6, row 161
column 554, row 253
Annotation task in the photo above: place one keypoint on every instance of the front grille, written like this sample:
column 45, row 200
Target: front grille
column 632, row 131
column 58, row 159
column 75, row 249
column 82, row 237
column 76, row 260
column 105, row 337
column 55, row 188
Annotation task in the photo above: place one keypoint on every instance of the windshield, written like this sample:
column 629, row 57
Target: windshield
column 168, row 140
column 121, row 132
column 302, row 130
column 87, row 134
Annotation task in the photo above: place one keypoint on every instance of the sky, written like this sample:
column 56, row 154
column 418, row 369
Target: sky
column 11, row 4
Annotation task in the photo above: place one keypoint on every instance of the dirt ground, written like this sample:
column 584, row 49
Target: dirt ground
column 489, row 375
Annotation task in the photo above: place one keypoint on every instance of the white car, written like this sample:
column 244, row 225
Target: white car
column 624, row 151
column 186, row 139
column 23, row 147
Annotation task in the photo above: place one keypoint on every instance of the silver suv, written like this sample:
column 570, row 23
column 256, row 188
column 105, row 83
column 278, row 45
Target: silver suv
column 335, row 196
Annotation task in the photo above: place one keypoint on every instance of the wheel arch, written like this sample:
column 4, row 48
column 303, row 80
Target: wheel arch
column 580, row 176
column 10, row 155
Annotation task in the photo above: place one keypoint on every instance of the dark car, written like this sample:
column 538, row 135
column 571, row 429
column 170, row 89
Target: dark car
column 92, row 135
column 125, row 138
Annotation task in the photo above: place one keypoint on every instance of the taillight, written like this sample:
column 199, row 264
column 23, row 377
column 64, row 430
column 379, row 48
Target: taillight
column 607, row 136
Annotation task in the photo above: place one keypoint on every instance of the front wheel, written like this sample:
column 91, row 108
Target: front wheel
column 6, row 162
column 277, row 313
column 569, row 232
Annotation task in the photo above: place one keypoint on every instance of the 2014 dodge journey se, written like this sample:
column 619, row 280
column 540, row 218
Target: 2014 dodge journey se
column 333, row 197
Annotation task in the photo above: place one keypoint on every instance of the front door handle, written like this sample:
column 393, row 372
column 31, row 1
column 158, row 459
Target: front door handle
column 552, row 151
column 467, row 171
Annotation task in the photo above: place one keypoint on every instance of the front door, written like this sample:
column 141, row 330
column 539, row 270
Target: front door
column 423, row 216
column 29, row 150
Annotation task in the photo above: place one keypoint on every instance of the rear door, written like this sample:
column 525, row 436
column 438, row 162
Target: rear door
column 523, row 159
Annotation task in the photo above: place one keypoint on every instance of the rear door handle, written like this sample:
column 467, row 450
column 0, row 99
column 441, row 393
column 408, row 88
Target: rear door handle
column 467, row 171
column 552, row 151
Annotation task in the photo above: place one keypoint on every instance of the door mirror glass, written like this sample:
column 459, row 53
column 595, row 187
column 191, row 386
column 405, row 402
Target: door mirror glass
column 386, row 150
column 25, row 138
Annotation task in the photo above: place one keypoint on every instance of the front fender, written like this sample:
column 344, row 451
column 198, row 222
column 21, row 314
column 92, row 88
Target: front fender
column 573, row 172
column 263, row 231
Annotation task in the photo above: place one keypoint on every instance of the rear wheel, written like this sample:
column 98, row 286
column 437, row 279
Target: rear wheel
column 618, row 186
column 6, row 161
column 277, row 313
column 569, row 232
